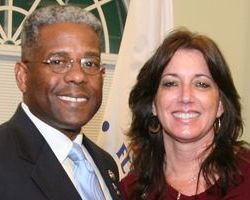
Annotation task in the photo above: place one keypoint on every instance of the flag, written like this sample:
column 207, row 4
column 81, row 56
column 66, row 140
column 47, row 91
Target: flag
column 148, row 22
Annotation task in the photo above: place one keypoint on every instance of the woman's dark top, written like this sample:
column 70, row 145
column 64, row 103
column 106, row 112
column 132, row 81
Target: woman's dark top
column 238, row 192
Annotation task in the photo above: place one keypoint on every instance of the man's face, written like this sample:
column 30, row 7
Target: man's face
column 69, row 100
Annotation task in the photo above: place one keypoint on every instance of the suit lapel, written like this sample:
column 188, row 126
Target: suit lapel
column 108, row 171
column 47, row 173
column 51, row 177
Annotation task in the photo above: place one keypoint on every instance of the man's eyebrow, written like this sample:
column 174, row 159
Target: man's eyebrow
column 58, row 53
column 67, row 54
column 91, row 54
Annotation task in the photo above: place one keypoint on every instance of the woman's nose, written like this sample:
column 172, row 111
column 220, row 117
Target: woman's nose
column 186, row 94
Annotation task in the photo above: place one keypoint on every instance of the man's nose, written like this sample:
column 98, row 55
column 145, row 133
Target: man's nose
column 76, row 74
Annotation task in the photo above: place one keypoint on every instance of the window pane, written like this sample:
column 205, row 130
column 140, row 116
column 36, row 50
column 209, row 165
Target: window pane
column 114, row 15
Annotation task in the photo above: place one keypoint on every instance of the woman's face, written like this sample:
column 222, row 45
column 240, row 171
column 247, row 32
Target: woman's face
column 187, row 101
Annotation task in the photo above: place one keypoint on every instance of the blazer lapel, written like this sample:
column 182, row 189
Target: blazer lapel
column 48, row 174
column 108, row 171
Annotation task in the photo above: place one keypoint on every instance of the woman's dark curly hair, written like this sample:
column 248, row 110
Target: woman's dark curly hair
column 147, row 149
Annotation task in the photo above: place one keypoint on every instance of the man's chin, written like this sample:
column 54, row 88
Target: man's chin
column 71, row 132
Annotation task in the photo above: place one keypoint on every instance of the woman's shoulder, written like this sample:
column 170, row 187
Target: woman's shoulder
column 243, row 162
column 126, row 184
column 129, row 179
column 241, row 190
column 243, row 157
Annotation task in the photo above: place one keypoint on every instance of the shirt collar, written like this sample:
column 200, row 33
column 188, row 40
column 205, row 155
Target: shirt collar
column 58, row 142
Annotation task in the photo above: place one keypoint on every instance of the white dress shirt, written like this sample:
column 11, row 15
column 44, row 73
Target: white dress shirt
column 61, row 146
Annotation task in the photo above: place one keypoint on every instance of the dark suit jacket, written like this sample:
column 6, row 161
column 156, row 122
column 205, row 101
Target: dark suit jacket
column 29, row 170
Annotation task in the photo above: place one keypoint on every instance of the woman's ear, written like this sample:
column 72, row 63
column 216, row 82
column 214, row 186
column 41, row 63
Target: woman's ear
column 153, row 108
column 21, row 76
column 220, row 110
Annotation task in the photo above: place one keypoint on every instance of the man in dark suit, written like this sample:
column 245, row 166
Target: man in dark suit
column 61, row 79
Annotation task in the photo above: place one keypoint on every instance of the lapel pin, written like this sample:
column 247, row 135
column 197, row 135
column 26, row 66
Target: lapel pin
column 116, row 189
column 111, row 175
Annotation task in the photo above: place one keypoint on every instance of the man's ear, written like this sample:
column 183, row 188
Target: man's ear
column 21, row 73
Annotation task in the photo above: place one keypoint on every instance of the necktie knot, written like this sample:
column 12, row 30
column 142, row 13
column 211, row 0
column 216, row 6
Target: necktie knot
column 87, row 183
column 77, row 156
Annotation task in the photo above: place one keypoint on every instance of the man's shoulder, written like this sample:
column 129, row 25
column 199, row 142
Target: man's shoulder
column 103, row 160
column 5, row 133
column 19, row 118
column 94, row 148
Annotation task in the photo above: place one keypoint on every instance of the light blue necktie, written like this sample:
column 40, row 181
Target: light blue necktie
column 86, row 181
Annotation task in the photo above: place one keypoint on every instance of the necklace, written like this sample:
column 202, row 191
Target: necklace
column 178, row 196
column 191, row 180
